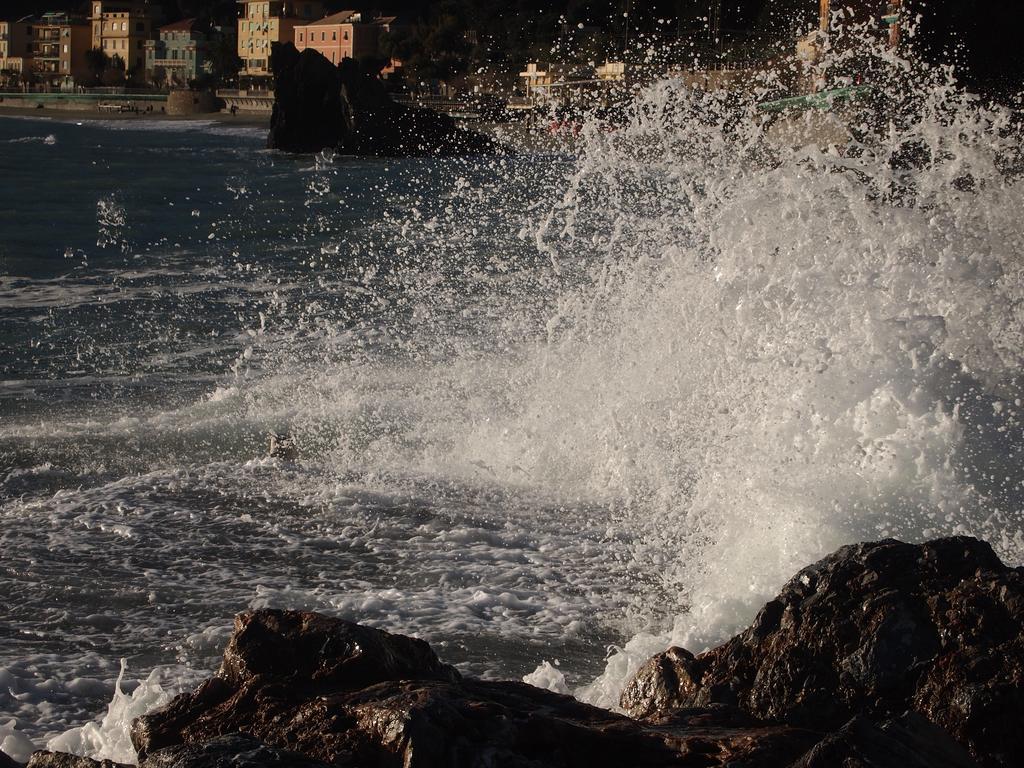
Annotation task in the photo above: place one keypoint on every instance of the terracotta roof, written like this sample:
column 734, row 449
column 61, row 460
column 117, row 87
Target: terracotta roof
column 341, row 17
column 185, row 25
column 385, row 20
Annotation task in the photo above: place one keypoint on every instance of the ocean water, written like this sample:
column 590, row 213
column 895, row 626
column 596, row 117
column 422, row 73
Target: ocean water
column 551, row 413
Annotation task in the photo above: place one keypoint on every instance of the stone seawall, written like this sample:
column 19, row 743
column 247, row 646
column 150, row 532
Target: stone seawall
column 84, row 102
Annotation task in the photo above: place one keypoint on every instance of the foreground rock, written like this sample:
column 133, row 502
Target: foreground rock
column 349, row 695
column 873, row 630
column 321, row 106
column 44, row 759
column 882, row 655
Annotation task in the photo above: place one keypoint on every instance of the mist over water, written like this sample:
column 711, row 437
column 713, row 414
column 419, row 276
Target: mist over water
column 544, row 405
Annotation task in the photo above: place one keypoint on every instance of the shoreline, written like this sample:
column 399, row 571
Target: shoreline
column 249, row 119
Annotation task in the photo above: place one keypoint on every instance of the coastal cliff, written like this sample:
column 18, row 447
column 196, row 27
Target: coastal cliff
column 321, row 106
column 881, row 655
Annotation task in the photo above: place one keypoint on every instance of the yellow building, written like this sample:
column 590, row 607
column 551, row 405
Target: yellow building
column 15, row 48
column 121, row 28
column 261, row 23
column 59, row 43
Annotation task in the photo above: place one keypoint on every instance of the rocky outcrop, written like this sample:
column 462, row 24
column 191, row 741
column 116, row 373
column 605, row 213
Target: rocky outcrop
column 882, row 655
column 321, row 106
column 873, row 630
column 349, row 695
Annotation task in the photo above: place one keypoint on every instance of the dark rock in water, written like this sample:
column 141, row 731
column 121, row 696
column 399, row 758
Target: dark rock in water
column 882, row 655
column 309, row 114
column 908, row 742
column 232, row 751
column 320, row 106
column 6, row 761
column 349, row 695
column 44, row 759
column 874, row 629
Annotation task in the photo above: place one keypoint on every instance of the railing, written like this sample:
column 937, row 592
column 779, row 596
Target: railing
column 257, row 93
column 78, row 95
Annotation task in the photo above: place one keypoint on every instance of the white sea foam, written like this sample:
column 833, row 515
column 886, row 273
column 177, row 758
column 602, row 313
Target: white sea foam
column 109, row 739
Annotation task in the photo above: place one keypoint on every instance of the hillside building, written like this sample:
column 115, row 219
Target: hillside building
column 15, row 50
column 261, row 23
column 59, row 43
column 343, row 35
column 180, row 54
column 121, row 28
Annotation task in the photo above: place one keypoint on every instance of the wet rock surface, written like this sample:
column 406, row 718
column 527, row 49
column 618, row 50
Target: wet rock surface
column 232, row 751
column 907, row 742
column 882, row 655
column 873, row 630
column 321, row 106
column 44, row 759
column 349, row 695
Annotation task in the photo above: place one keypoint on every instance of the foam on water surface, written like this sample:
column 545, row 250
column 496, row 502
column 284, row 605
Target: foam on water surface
column 540, row 411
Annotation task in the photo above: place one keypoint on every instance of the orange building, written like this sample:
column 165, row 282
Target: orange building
column 59, row 43
column 342, row 35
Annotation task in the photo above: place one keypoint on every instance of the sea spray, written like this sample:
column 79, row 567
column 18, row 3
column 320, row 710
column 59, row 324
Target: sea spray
column 110, row 739
column 784, row 349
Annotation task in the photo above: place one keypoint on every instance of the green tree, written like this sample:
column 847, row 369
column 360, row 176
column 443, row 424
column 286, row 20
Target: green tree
column 97, row 61
column 224, row 59
column 114, row 74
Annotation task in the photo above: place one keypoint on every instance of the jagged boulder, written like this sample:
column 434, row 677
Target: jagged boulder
column 321, row 106
column 874, row 630
column 349, row 695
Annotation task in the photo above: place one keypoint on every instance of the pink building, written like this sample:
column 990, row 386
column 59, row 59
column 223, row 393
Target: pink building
column 342, row 35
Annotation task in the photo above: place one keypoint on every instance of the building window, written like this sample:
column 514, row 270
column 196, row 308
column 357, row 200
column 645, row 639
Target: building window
column 334, row 35
column 323, row 37
column 301, row 38
column 346, row 35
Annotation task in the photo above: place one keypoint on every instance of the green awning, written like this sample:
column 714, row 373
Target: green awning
column 820, row 100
